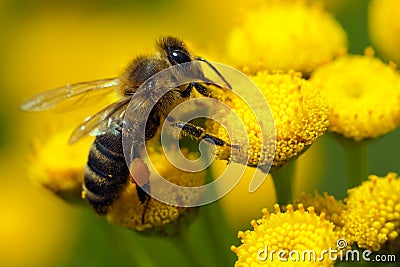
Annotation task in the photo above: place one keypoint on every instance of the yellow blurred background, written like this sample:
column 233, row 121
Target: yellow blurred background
column 46, row 44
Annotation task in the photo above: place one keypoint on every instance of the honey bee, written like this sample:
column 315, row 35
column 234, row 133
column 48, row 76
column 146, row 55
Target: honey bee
column 106, row 172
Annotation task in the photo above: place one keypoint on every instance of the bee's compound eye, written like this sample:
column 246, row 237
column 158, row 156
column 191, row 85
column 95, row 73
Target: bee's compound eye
column 178, row 57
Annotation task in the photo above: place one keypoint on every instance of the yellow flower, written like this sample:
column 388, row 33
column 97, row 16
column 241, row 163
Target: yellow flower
column 292, row 232
column 58, row 166
column 285, row 35
column 372, row 214
column 327, row 204
column 299, row 112
column 384, row 29
column 363, row 95
column 156, row 217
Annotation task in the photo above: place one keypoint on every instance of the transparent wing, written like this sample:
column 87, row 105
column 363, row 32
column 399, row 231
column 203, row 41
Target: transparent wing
column 107, row 120
column 76, row 93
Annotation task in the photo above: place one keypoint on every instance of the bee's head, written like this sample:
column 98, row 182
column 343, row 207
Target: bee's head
column 174, row 50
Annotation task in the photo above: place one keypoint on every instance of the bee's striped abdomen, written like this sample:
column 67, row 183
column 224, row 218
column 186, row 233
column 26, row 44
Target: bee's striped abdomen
column 106, row 172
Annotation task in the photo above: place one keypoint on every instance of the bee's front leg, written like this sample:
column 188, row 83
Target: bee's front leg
column 198, row 132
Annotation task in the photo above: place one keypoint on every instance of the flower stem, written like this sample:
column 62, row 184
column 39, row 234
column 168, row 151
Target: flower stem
column 186, row 246
column 214, row 233
column 217, row 233
column 141, row 256
column 283, row 181
column 356, row 160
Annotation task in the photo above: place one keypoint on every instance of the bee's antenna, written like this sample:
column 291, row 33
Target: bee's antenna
column 215, row 70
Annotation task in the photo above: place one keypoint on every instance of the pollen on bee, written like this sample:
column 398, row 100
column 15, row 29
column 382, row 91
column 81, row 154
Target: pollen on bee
column 139, row 172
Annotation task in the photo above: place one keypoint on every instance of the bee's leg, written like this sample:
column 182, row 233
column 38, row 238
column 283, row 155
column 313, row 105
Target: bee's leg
column 198, row 132
column 141, row 192
column 199, row 88
column 144, row 198
column 140, row 177
column 186, row 93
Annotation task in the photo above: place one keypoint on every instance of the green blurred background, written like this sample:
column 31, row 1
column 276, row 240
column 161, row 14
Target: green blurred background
column 46, row 44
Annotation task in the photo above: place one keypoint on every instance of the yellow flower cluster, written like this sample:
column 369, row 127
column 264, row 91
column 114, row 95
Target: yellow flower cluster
column 58, row 166
column 285, row 35
column 299, row 112
column 156, row 217
column 372, row 214
column 369, row 217
column 363, row 95
column 285, row 233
